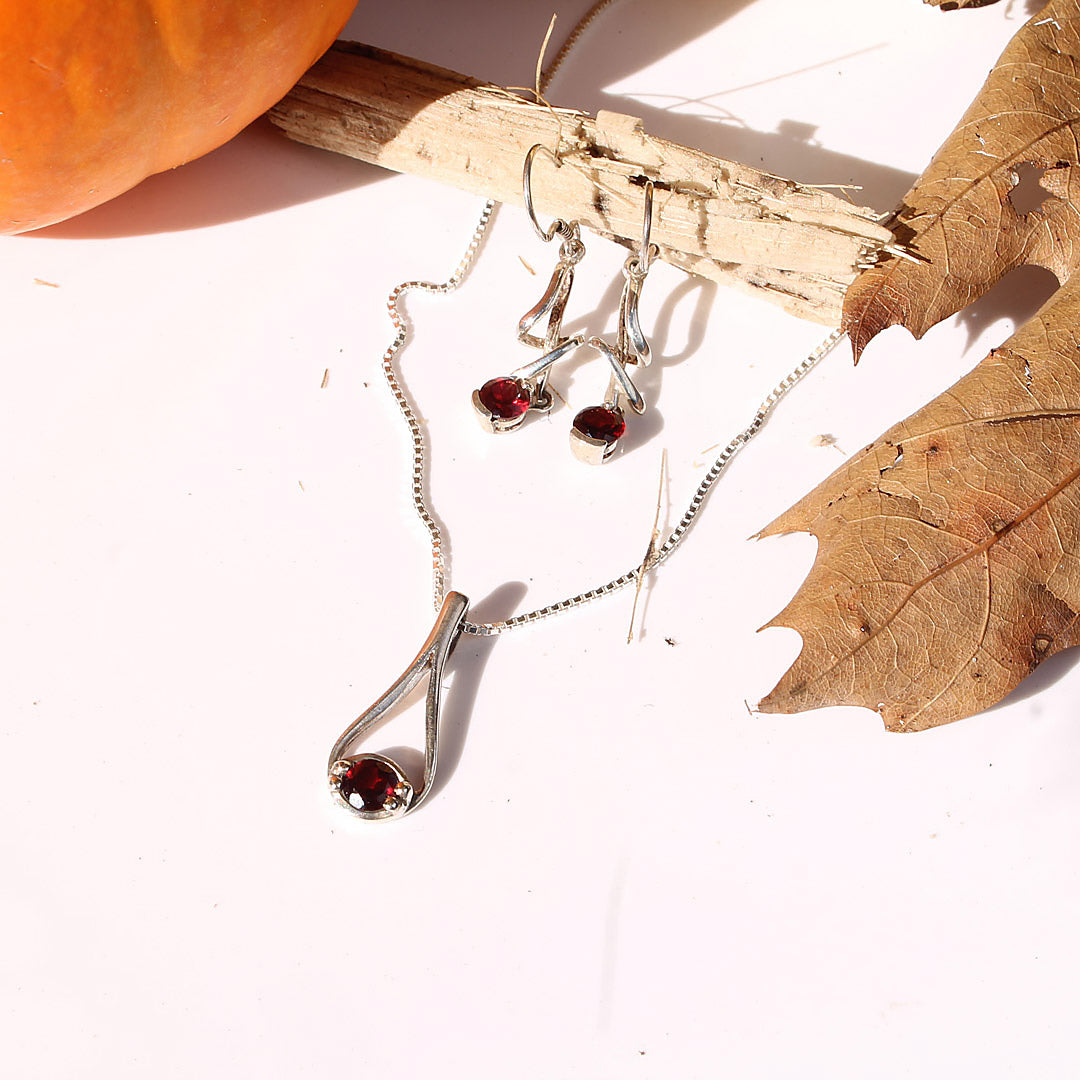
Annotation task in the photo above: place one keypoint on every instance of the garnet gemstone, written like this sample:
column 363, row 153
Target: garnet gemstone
column 601, row 422
column 371, row 781
column 504, row 398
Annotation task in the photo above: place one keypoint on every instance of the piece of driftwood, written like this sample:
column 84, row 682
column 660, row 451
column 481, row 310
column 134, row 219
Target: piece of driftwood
column 795, row 245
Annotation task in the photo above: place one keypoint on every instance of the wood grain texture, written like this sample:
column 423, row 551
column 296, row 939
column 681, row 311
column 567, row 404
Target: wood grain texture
column 795, row 245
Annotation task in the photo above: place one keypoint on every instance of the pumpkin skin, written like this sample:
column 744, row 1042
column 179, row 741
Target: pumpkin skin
column 95, row 95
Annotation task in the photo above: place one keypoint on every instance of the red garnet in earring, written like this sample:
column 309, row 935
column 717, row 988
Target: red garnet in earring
column 501, row 404
column 372, row 785
column 595, row 432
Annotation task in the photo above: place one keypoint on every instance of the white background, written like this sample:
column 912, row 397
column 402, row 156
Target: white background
column 210, row 566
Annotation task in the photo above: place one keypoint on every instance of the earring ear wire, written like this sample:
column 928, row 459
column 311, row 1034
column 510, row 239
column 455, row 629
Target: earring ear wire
column 558, row 227
column 596, row 431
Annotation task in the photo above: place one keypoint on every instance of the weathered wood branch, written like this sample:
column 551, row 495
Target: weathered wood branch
column 795, row 245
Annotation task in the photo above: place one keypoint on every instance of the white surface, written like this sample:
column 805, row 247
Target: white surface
column 210, row 566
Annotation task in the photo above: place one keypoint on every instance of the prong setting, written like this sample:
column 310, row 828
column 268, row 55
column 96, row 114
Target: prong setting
column 371, row 786
column 595, row 433
column 502, row 404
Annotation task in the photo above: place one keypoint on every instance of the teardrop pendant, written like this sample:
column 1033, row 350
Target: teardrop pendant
column 373, row 786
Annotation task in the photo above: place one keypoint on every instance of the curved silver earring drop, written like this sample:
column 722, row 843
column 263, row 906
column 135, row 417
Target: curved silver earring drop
column 597, row 429
column 502, row 404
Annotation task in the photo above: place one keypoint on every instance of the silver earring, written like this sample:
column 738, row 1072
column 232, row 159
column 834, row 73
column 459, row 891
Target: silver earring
column 502, row 404
column 596, row 430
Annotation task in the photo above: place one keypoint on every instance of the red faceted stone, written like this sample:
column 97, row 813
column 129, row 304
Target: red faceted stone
column 372, row 781
column 601, row 422
column 504, row 398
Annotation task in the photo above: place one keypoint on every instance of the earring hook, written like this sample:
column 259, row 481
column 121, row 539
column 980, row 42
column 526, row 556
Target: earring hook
column 648, row 249
column 558, row 227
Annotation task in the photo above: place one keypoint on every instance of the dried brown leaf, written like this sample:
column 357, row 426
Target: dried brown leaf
column 961, row 218
column 948, row 564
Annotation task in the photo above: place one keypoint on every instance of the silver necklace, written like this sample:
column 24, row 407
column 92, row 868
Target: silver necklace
column 373, row 786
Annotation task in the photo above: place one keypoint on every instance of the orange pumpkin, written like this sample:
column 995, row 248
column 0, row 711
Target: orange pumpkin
column 95, row 95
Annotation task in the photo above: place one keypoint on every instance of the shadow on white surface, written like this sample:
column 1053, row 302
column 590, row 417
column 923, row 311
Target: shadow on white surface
column 1050, row 671
column 257, row 172
column 1016, row 298
column 467, row 665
